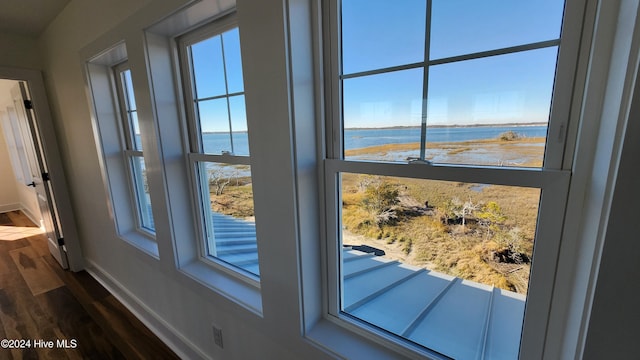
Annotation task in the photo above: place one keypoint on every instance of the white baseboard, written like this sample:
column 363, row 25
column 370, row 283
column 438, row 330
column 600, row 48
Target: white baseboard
column 184, row 348
column 10, row 207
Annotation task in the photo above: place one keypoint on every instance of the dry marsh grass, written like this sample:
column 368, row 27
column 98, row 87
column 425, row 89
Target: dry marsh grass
column 421, row 235
column 521, row 152
column 467, row 251
column 236, row 199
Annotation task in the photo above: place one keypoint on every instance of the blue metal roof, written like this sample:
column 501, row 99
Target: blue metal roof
column 458, row 318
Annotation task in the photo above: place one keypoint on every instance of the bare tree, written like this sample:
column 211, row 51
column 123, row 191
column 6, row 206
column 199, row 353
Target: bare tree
column 218, row 180
column 462, row 210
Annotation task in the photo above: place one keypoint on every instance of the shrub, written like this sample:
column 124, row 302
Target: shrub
column 509, row 136
column 379, row 197
column 407, row 245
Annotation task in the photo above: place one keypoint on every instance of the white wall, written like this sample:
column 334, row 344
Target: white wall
column 24, row 51
column 613, row 327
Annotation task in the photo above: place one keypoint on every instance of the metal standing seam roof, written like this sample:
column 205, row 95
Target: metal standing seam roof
column 459, row 318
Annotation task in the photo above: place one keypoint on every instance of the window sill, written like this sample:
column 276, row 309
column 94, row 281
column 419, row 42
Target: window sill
column 349, row 340
column 226, row 285
column 142, row 242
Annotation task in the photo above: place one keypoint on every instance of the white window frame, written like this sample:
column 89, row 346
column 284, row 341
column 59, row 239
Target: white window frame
column 552, row 179
column 129, row 152
column 196, row 155
column 108, row 123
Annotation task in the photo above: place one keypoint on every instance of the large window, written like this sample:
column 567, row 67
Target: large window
column 444, row 187
column 219, row 153
column 132, row 151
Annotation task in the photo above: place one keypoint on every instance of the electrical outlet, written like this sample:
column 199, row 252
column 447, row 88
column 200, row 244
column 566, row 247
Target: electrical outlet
column 217, row 336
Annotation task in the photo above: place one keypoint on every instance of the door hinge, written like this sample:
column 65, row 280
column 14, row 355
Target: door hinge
column 28, row 104
column 45, row 176
column 60, row 241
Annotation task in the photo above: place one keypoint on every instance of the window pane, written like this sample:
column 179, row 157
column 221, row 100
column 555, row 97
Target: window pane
column 467, row 26
column 135, row 127
column 227, row 193
column 443, row 264
column 208, row 69
column 491, row 111
column 142, row 193
column 214, row 125
column 233, row 60
column 382, row 115
column 379, row 33
column 239, row 125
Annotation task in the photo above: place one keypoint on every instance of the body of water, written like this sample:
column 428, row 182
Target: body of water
column 216, row 143
column 362, row 138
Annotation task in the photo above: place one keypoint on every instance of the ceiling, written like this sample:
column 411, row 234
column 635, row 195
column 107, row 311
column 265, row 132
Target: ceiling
column 28, row 17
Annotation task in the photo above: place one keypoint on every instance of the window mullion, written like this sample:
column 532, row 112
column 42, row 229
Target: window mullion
column 425, row 84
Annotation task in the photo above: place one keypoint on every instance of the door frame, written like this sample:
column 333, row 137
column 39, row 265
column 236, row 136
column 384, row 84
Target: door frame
column 51, row 150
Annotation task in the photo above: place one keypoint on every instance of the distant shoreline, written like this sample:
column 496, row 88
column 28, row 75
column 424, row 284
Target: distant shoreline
column 415, row 127
column 225, row 132
column 451, row 126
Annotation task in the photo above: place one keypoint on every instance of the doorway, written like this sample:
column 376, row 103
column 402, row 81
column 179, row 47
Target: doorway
column 36, row 168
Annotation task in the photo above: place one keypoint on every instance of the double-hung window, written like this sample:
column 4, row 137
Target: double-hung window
column 219, row 155
column 445, row 180
column 132, row 151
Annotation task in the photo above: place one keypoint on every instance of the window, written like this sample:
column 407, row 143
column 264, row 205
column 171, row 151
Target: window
column 219, row 153
column 119, row 135
column 445, row 193
column 132, row 152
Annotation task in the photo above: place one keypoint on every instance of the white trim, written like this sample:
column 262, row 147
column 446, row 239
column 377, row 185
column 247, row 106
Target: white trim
column 10, row 207
column 551, row 179
column 197, row 163
column 613, row 62
column 184, row 348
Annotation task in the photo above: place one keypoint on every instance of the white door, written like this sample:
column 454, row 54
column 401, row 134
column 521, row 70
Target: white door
column 39, row 173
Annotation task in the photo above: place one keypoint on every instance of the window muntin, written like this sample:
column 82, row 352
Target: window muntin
column 504, row 94
column 220, row 156
column 469, row 74
column 133, row 155
column 219, row 93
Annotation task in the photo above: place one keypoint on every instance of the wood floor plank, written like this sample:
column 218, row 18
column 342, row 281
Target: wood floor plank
column 37, row 274
column 39, row 246
column 20, row 219
column 5, row 220
column 74, row 322
column 79, row 309
column 16, row 303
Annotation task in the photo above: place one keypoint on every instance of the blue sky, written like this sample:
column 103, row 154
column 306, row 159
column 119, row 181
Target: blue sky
column 501, row 89
column 382, row 33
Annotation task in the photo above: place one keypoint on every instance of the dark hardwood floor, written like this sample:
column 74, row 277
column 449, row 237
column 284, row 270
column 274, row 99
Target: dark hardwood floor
column 40, row 301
